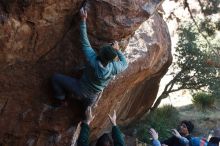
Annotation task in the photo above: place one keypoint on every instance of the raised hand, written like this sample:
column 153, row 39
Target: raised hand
column 89, row 116
column 115, row 45
column 175, row 133
column 153, row 133
column 113, row 118
column 83, row 14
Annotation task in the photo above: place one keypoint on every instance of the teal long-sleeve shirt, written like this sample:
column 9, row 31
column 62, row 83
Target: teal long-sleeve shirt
column 96, row 77
column 83, row 139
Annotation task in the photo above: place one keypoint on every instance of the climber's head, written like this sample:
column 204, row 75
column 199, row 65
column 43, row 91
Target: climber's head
column 107, row 54
column 104, row 140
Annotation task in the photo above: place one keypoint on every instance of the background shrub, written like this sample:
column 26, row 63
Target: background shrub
column 162, row 119
column 203, row 100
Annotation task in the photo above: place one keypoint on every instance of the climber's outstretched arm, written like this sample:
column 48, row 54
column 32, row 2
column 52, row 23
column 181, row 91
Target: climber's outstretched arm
column 86, row 46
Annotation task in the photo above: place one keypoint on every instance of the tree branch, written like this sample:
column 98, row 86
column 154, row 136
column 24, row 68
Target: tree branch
column 201, row 5
column 186, row 5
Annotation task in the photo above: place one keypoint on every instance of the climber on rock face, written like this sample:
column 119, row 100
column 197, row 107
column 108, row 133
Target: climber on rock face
column 105, row 140
column 99, row 70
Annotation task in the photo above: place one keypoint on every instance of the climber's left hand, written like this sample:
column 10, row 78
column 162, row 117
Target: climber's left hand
column 83, row 14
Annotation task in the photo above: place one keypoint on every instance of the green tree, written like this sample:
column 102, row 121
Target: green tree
column 196, row 67
column 198, row 52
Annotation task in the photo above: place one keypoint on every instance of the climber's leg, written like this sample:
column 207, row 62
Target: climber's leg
column 95, row 102
column 90, row 100
column 62, row 84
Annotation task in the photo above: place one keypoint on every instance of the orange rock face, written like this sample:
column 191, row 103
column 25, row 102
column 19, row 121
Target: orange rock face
column 39, row 38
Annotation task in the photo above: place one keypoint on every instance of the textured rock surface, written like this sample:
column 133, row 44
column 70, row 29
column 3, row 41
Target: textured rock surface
column 40, row 37
column 133, row 93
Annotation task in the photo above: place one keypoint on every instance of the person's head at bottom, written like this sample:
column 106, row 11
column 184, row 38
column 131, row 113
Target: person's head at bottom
column 104, row 140
column 186, row 127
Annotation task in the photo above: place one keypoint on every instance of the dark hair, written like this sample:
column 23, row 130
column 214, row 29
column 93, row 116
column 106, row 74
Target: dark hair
column 107, row 54
column 189, row 125
column 104, row 140
column 214, row 140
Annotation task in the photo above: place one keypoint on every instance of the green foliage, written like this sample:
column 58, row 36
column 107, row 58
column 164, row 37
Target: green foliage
column 210, row 7
column 208, row 27
column 203, row 100
column 197, row 64
column 192, row 53
column 162, row 120
column 217, row 25
column 214, row 89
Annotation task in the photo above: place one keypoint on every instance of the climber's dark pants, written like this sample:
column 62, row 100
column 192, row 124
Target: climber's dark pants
column 64, row 84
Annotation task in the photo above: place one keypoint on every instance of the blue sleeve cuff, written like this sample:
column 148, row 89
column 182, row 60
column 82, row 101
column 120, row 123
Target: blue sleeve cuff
column 119, row 52
column 82, row 22
column 156, row 143
column 183, row 140
column 83, row 124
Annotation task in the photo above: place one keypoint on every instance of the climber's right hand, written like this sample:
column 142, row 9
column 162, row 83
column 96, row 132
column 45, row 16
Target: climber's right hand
column 115, row 45
column 83, row 14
